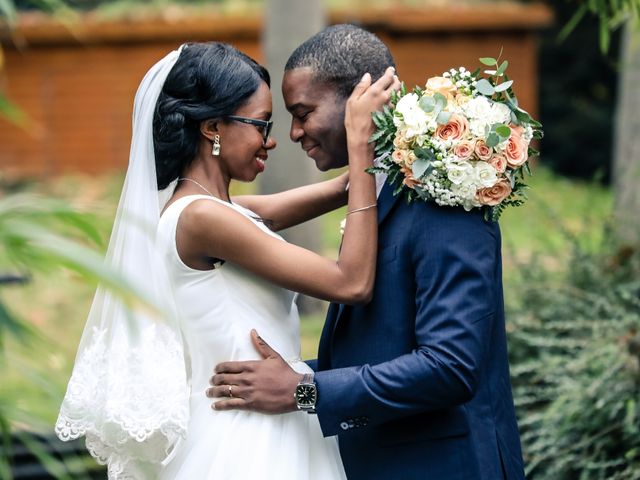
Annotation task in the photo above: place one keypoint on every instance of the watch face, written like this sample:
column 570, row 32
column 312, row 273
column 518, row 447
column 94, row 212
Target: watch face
column 306, row 395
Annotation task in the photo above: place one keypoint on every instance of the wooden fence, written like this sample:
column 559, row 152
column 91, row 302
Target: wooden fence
column 76, row 82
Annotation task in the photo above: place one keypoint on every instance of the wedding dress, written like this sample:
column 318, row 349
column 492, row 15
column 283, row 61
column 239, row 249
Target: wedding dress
column 137, row 390
column 217, row 310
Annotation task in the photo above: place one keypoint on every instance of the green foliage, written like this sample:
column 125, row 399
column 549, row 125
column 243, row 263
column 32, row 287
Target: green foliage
column 577, row 98
column 610, row 14
column 575, row 364
column 40, row 234
column 8, row 10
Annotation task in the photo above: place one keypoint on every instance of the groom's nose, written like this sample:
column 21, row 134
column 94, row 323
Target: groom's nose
column 296, row 132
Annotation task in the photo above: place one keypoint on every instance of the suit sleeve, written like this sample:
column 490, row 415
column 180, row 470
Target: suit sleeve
column 454, row 255
column 313, row 364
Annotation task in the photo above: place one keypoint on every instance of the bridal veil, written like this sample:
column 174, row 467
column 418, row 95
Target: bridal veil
column 128, row 393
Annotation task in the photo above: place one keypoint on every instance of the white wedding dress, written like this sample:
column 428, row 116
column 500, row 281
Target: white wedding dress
column 217, row 310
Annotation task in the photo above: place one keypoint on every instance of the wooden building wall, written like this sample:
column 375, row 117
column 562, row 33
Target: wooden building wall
column 76, row 82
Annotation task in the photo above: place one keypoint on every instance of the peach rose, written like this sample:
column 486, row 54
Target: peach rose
column 516, row 150
column 516, row 130
column 483, row 151
column 463, row 150
column 411, row 157
column 398, row 156
column 499, row 162
column 456, row 128
column 400, row 142
column 494, row 195
column 441, row 85
column 409, row 180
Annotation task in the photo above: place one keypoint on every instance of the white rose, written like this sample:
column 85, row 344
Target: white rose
column 412, row 118
column 479, row 107
column 460, row 174
column 485, row 175
column 483, row 113
column 500, row 113
column 406, row 103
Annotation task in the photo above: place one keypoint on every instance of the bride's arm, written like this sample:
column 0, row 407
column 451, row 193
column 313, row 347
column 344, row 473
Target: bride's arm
column 211, row 229
column 298, row 205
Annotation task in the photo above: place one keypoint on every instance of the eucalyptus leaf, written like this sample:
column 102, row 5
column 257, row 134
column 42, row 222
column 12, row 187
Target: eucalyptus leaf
column 419, row 167
column 441, row 100
column 427, row 104
column 488, row 61
column 490, row 72
column 502, row 68
column 503, row 86
column 492, row 140
column 484, row 87
column 503, row 130
column 443, row 118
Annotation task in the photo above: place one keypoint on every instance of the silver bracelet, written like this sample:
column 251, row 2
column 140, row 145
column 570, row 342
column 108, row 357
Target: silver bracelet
column 362, row 209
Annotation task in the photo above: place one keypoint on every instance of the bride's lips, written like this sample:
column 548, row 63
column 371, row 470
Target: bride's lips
column 260, row 162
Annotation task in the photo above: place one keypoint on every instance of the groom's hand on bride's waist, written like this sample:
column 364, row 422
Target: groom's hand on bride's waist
column 266, row 385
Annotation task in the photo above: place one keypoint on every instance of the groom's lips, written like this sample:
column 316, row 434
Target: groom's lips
column 310, row 150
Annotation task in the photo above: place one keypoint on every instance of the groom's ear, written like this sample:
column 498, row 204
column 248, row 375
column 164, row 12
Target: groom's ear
column 209, row 128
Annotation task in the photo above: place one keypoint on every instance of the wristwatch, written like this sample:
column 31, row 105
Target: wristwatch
column 306, row 394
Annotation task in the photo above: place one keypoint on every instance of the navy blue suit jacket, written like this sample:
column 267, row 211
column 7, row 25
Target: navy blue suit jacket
column 416, row 383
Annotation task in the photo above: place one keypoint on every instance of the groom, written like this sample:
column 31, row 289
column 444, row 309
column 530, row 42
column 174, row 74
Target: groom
column 415, row 383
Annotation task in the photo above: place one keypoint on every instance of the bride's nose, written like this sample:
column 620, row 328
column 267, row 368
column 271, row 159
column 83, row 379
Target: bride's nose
column 271, row 143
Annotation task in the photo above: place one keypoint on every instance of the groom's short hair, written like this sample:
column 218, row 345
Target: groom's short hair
column 340, row 54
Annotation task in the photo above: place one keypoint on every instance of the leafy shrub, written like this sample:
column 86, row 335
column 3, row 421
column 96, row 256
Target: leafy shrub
column 575, row 359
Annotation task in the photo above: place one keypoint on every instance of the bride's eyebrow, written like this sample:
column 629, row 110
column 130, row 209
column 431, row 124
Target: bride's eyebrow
column 265, row 113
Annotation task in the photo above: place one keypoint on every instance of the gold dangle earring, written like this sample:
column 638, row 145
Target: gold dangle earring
column 215, row 151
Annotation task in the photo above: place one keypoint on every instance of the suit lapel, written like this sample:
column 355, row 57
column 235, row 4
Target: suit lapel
column 386, row 201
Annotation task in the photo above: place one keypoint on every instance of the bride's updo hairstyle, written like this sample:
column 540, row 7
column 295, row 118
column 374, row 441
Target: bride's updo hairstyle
column 209, row 81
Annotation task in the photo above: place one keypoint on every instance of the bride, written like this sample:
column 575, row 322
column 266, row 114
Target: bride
column 215, row 269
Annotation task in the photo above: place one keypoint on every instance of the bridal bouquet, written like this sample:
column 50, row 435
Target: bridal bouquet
column 460, row 141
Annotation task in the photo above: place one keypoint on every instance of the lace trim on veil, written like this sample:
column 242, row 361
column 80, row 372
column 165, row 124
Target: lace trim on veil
column 138, row 421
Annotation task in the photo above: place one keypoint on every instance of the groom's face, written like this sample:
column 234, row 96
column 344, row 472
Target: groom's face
column 317, row 118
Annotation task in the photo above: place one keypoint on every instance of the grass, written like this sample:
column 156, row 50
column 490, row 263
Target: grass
column 56, row 305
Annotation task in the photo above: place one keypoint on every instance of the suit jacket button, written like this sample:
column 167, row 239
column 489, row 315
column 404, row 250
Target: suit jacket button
column 344, row 426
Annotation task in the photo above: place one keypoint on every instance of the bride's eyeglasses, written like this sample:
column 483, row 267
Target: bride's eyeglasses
column 264, row 126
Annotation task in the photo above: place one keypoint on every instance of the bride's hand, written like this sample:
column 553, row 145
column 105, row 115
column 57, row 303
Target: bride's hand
column 366, row 99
